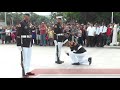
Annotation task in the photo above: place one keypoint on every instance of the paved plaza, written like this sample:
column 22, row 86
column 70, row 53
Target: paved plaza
column 105, row 63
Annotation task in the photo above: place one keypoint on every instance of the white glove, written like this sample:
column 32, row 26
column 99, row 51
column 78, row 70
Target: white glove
column 19, row 47
column 55, row 42
column 65, row 41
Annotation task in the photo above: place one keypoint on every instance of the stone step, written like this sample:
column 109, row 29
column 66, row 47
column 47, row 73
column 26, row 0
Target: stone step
column 118, row 47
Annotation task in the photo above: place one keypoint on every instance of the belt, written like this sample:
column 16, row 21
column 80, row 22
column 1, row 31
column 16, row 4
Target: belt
column 79, row 47
column 26, row 36
column 60, row 34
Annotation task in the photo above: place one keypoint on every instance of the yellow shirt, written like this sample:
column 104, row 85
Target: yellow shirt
column 51, row 34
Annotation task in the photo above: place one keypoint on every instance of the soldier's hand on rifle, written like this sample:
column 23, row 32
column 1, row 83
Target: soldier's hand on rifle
column 19, row 47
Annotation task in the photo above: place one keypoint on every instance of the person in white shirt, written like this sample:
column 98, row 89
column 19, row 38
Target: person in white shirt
column 91, row 34
column 8, row 33
column 103, row 39
column 97, row 33
column 95, row 38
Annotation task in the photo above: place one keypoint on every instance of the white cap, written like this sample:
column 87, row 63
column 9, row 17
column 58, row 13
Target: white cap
column 59, row 17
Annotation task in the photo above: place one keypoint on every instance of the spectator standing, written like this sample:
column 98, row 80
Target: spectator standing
column 91, row 33
column 43, row 29
column 51, row 36
column 103, row 30
column 108, row 33
column 8, row 35
column 80, row 39
column 3, row 35
column 38, row 35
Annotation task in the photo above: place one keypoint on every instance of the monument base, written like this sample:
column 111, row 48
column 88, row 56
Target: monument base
column 115, row 44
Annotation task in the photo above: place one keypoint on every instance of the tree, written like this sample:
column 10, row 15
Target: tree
column 99, row 17
column 17, row 17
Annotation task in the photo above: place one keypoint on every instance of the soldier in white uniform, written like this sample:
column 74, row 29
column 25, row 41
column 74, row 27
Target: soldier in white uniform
column 59, row 39
column 78, row 54
column 24, row 42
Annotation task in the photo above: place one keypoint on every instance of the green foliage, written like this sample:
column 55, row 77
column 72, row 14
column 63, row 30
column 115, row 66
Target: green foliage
column 18, row 16
column 99, row 17
column 82, row 17
column 118, row 38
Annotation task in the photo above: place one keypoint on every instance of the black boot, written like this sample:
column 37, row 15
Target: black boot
column 59, row 62
column 76, row 63
column 25, row 76
column 90, row 60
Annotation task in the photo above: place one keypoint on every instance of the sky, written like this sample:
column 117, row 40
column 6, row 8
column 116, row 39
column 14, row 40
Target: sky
column 43, row 13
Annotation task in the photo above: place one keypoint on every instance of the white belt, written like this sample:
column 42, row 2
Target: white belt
column 26, row 36
column 60, row 34
column 79, row 47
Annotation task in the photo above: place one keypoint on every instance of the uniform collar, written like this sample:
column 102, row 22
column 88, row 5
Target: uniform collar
column 26, row 21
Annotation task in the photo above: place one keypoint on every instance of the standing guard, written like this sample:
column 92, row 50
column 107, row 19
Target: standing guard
column 24, row 42
column 58, row 39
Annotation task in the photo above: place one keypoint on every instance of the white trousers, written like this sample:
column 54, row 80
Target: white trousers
column 81, row 58
column 26, row 58
column 59, row 49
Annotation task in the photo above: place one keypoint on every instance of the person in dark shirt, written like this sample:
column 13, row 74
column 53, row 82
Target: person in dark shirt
column 78, row 54
column 3, row 35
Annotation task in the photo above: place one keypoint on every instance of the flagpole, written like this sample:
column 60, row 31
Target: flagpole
column 112, row 18
column 5, row 20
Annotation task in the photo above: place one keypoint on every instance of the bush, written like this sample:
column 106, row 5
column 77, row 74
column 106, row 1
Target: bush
column 118, row 38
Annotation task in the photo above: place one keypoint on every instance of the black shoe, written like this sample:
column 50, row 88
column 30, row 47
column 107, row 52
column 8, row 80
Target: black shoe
column 59, row 62
column 25, row 76
column 90, row 60
column 30, row 74
column 76, row 63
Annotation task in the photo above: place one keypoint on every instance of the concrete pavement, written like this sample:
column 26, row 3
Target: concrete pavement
column 43, row 58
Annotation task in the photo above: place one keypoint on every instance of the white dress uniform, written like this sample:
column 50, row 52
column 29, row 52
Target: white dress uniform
column 59, row 40
column 79, row 55
column 24, row 42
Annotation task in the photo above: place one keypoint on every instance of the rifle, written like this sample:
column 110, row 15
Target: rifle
column 23, row 70
column 58, row 59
